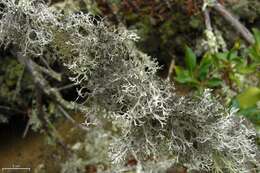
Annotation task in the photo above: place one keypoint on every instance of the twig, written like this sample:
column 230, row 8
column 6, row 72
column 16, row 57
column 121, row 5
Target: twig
column 26, row 129
column 246, row 34
column 171, row 70
column 11, row 110
column 18, row 84
column 66, row 114
column 67, row 86
column 207, row 20
column 45, row 62
column 41, row 82
column 47, row 126
column 49, row 72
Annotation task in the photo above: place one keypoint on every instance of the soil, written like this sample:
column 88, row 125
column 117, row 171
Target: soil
column 32, row 151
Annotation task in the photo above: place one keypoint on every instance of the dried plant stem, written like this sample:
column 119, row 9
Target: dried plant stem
column 245, row 33
column 47, row 126
column 66, row 114
column 207, row 20
column 49, row 72
column 43, row 84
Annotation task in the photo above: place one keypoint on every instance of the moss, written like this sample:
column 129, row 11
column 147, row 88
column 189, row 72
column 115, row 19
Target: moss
column 16, row 85
column 12, row 73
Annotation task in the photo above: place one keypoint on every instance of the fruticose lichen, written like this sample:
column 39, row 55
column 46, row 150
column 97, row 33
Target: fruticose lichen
column 119, row 83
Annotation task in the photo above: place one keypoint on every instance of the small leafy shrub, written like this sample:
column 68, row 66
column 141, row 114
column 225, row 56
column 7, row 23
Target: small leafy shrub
column 197, row 74
column 236, row 70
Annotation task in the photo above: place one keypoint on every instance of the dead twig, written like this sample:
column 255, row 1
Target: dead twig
column 43, row 84
column 67, row 86
column 49, row 72
column 47, row 126
column 11, row 110
column 207, row 20
column 66, row 114
column 229, row 17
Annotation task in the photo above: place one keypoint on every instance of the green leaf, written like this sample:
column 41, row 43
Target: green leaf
column 178, row 70
column 214, row 82
column 183, row 76
column 190, row 59
column 246, row 69
column 249, row 97
column 220, row 59
column 232, row 55
column 222, row 56
column 234, row 77
column 203, row 71
column 204, row 67
column 257, row 37
column 253, row 114
column 254, row 53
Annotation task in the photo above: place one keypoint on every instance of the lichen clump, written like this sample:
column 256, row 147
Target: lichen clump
column 120, row 86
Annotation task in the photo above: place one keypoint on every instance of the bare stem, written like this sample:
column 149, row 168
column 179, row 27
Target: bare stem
column 49, row 72
column 245, row 33
column 207, row 20
column 43, row 84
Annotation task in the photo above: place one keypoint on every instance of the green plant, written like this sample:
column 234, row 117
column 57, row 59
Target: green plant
column 238, row 65
column 254, row 50
column 197, row 74
column 248, row 103
column 237, row 68
column 248, row 99
column 213, row 69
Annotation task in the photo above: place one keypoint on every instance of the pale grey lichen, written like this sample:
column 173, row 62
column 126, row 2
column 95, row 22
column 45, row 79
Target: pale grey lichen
column 27, row 24
column 73, row 165
column 208, row 3
column 214, row 42
column 119, row 83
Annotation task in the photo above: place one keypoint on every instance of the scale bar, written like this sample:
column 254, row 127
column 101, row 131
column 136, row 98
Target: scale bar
column 6, row 169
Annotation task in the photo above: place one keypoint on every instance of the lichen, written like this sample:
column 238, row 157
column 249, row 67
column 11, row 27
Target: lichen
column 119, row 85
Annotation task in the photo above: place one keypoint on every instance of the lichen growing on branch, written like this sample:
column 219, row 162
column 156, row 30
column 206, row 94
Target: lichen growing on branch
column 27, row 24
column 120, row 86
